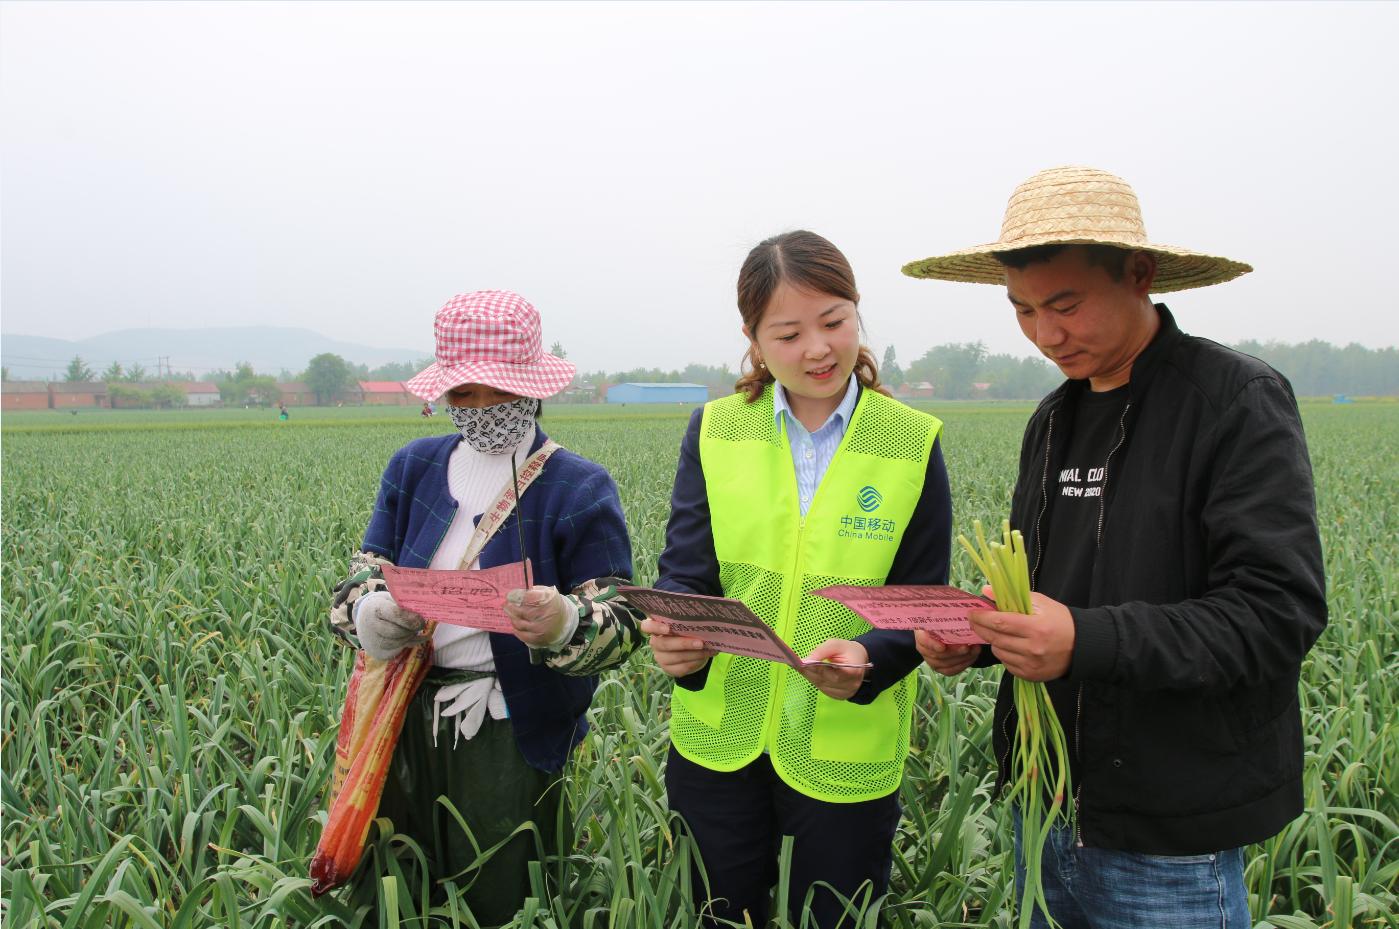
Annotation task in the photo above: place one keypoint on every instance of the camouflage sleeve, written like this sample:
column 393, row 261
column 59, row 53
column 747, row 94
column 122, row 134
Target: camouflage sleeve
column 608, row 631
column 366, row 576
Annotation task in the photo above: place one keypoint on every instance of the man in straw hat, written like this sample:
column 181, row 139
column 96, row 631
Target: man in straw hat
column 1165, row 495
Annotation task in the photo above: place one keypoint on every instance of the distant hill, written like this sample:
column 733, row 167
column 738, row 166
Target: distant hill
column 268, row 348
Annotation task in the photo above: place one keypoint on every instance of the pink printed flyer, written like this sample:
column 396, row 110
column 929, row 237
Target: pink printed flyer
column 475, row 599
column 939, row 610
column 723, row 624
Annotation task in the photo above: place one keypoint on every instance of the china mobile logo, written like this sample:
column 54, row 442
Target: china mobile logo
column 868, row 528
column 869, row 498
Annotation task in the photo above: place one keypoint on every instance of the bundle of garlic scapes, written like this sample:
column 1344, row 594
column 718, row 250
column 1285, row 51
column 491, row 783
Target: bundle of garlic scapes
column 1039, row 749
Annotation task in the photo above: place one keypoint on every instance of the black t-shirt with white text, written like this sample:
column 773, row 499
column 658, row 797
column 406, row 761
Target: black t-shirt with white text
column 1070, row 541
column 1071, row 538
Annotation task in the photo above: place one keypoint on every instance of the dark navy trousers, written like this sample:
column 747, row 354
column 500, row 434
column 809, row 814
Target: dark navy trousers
column 738, row 819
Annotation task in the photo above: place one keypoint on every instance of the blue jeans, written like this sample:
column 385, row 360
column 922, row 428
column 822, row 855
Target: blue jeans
column 1101, row 888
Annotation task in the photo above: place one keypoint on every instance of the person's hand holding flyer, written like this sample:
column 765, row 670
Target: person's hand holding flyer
column 939, row 610
column 722, row 624
column 475, row 599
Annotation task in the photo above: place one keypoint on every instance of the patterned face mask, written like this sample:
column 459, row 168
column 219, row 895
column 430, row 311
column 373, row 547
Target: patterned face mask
column 495, row 430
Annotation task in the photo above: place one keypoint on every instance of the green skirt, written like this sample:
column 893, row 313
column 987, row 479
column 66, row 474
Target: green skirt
column 493, row 790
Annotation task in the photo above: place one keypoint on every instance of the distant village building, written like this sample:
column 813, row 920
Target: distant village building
column 202, row 394
column 71, row 395
column 295, row 393
column 657, row 393
column 386, row 393
column 915, row 389
column 24, row 395
column 162, row 395
column 583, row 393
column 130, row 395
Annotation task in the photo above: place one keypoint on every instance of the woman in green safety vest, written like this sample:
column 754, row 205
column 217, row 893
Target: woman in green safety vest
column 809, row 475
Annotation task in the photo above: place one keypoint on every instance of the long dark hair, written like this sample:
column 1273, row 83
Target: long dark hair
column 809, row 262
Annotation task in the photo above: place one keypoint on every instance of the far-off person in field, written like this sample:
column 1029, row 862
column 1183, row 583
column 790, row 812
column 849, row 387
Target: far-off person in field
column 1165, row 495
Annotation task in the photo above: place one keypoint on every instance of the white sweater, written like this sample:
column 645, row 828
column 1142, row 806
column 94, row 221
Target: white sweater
column 474, row 480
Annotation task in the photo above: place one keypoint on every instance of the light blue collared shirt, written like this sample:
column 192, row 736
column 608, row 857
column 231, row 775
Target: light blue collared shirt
column 812, row 451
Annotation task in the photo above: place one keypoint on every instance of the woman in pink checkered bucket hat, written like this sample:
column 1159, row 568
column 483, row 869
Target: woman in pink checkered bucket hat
column 491, row 368
column 498, row 713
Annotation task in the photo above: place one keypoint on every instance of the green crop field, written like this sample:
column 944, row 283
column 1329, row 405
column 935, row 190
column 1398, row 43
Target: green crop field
column 170, row 692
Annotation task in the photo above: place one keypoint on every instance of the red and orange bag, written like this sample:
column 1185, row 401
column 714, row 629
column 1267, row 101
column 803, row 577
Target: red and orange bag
column 375, row 704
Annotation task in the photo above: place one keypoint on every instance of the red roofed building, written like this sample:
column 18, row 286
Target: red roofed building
column 24, row 395
column 295, row 393
column 72, row 394
column 386, row 393
column 917, row 389
column 199, row 393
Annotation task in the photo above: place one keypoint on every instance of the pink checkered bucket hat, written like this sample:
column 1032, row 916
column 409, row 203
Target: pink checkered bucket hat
column 491, row 337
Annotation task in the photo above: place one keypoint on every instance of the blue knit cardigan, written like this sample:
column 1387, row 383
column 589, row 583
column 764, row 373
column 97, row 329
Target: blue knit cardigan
column 574, row 532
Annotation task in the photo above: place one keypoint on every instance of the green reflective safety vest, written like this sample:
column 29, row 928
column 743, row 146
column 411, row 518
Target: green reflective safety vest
column 771, row 559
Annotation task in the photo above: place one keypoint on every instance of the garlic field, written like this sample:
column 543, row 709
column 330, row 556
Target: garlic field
column 171, row 692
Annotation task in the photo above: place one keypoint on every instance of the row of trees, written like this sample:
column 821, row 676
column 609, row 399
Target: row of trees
column 1319, row 368
column 1315, row 369
column 953, row 370
column 161, row 396
column 956, row 371
column 965, row 370
column 79, row 371
column 962, row 370
column 127, row 387
column 327, row 376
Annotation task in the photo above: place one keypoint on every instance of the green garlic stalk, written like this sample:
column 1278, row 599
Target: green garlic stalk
column 1039, row 746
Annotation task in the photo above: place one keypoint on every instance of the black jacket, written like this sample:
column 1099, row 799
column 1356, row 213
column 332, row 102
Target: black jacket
column 1207, row 591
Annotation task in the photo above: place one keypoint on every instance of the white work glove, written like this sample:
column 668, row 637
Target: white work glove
column 465, row 704
column 384, row 628
column 543, row 618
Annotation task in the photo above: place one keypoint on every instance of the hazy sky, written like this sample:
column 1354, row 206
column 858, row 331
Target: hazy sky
column 347, row 167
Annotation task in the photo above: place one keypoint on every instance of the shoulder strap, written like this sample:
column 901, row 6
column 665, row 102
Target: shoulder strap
column 505, row 501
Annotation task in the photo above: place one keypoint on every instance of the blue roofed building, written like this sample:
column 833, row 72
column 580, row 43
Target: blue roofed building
column 657, row 393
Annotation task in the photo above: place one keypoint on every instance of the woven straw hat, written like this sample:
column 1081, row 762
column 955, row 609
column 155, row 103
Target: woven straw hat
column 1077, row 206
